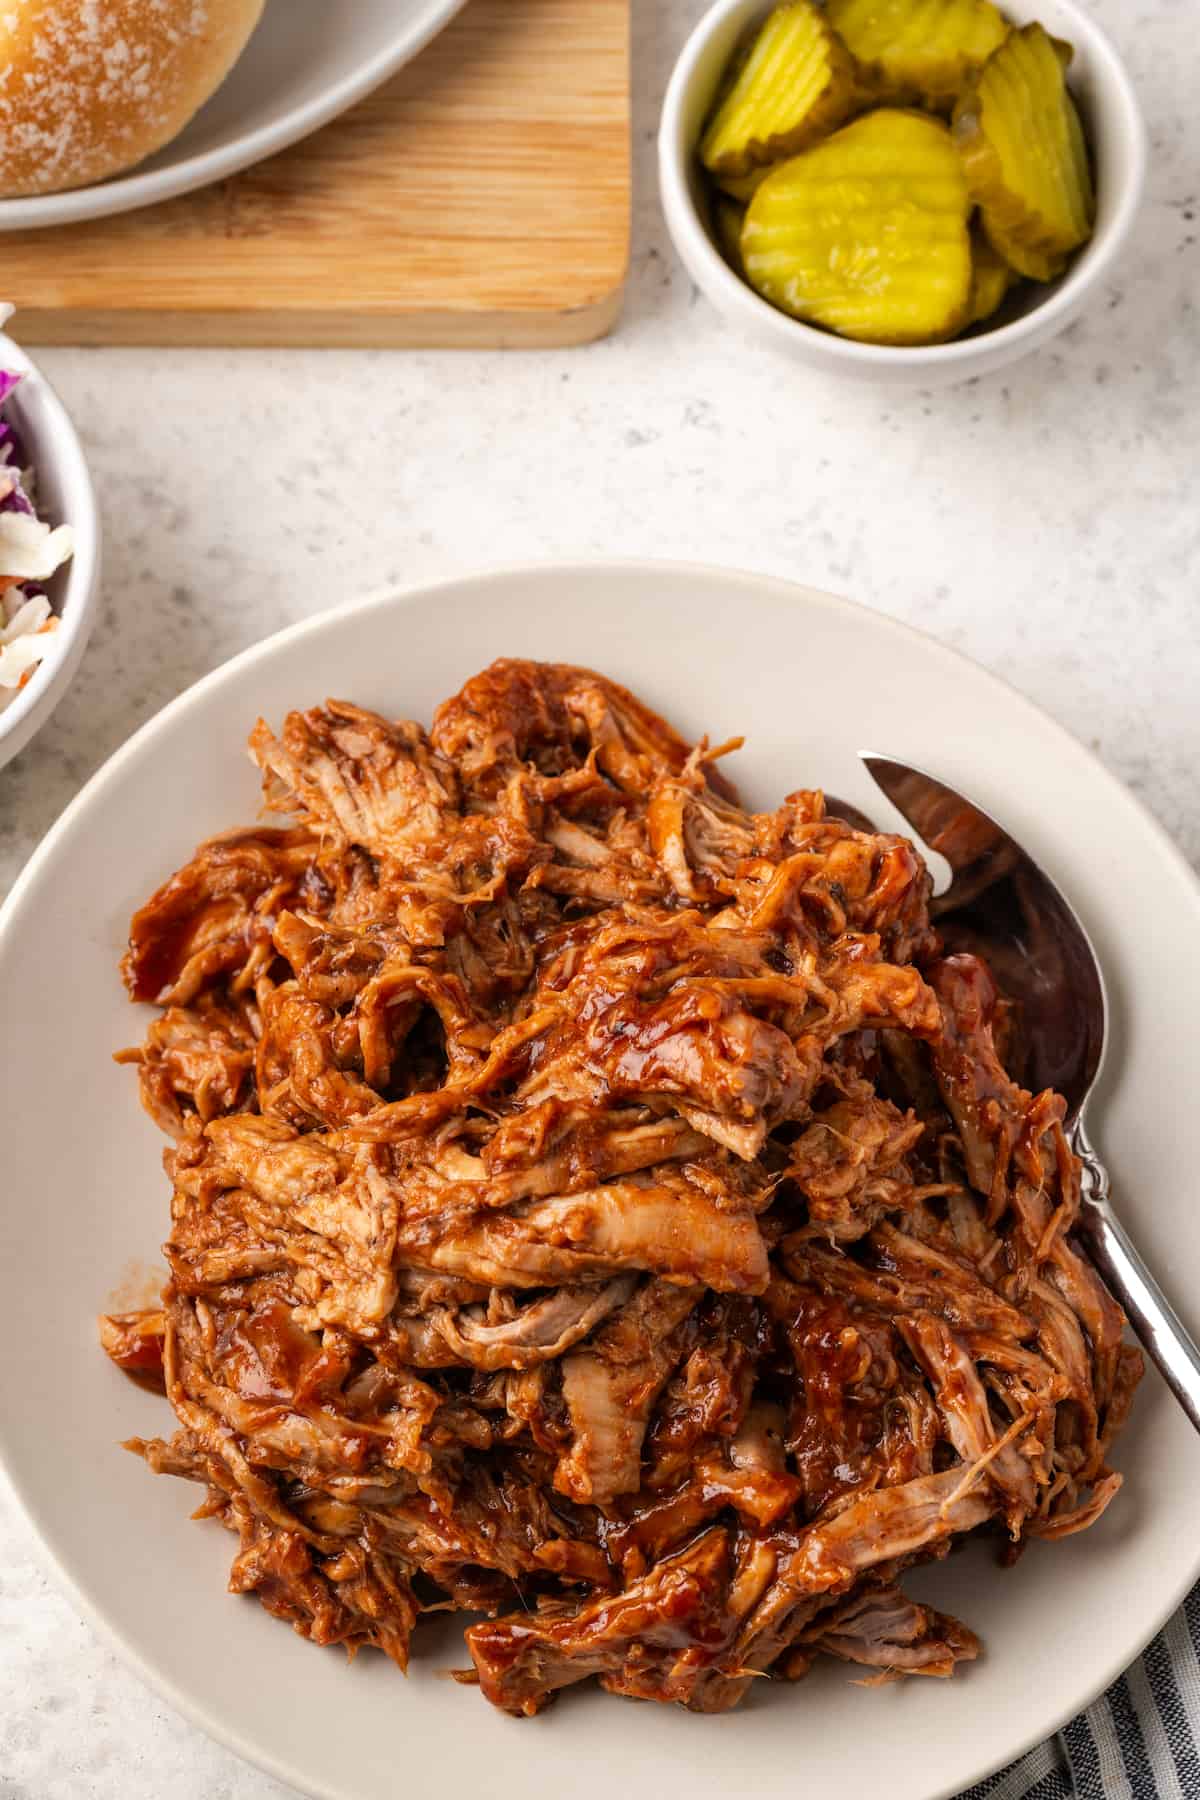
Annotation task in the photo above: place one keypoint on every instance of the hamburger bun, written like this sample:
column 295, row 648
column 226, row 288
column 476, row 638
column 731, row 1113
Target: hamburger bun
column 91, row 87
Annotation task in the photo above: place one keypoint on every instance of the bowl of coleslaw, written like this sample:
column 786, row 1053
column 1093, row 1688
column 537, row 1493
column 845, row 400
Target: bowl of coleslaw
column 49, row 548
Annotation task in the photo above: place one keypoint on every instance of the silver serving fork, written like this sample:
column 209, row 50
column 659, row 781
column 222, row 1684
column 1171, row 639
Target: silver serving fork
column 1000, row 902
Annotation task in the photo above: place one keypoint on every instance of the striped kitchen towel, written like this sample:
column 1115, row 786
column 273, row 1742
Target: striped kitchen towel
column 1138, row 1742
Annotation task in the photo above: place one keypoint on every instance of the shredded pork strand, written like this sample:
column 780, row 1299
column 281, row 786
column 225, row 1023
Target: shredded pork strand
column 599, row 1207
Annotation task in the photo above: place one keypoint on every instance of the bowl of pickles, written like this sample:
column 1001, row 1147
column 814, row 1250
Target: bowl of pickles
column 906, row 190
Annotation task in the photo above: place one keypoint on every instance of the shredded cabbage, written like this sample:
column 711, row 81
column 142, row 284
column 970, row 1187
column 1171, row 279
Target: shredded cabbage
column 30, row 552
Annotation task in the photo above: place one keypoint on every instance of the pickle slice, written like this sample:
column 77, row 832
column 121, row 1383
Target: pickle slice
column 727, row 217
column 919, row 50
column 991, row 279
column 866, row 233
column 1023, row 149
column 797, row 82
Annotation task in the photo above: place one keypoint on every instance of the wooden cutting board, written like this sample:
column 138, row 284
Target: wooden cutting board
column 479, row 198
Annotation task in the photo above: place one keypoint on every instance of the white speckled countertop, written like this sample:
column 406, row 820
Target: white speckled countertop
column 1043, row 520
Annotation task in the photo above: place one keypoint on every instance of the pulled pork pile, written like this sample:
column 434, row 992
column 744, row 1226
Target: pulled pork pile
column 599, row 1208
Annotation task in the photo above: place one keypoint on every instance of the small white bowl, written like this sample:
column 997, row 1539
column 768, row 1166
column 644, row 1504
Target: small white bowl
column 64, row 497
column 1112, row 120
column 306, row 62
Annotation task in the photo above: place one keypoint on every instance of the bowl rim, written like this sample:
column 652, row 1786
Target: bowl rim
column 125, row 193
column 703, row 260
column 61, row 446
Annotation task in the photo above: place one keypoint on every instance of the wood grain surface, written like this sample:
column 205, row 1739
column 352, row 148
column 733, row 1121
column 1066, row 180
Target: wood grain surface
column 479, row 198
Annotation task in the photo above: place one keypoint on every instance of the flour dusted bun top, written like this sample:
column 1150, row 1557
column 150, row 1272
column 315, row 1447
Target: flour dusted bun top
column 89, row 88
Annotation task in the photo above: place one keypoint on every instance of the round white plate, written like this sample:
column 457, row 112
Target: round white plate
column 307, row 61
column 809, row 679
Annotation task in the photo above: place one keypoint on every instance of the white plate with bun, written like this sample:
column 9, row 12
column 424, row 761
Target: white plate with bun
column 109, row 106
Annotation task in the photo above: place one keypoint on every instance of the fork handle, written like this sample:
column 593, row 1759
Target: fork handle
column 1158, row 1327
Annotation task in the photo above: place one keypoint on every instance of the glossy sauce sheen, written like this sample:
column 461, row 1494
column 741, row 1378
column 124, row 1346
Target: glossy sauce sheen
column 598, row 1207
